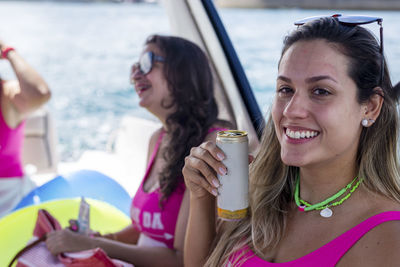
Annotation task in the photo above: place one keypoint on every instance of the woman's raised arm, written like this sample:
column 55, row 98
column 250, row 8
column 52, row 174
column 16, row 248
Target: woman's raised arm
column 30, row 91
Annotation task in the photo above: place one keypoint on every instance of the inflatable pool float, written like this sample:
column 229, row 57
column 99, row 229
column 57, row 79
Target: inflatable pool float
column 16, row 228
column 86, row 183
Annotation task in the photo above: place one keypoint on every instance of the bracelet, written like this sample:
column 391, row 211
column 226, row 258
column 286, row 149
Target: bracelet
column 4, row 53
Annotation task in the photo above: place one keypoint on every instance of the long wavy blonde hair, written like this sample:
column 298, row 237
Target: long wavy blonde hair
column 272, row 182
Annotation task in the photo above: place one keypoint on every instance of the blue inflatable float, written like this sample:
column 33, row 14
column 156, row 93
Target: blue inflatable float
column 86, row 183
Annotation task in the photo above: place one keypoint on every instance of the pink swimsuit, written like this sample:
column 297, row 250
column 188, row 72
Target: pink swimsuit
column 146, row 214
column 11, row 143
column 330, row 253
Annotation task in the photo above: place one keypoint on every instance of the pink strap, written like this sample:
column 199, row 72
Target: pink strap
column 156, row 147
column 158, row 143
column 344, row 242
column 330, row 253
column 153, row 155
column 216, row 129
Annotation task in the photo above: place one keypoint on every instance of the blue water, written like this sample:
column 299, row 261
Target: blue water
column 84, row 51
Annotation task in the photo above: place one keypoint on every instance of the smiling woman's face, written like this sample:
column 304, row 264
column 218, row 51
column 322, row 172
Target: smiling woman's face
column 152, row 88
column 315, row 110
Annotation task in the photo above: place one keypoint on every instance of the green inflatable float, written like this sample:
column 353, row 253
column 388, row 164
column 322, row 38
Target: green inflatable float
column 16, row 228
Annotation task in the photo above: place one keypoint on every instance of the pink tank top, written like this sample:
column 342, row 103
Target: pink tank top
column 329, row 254
column 146, row 214
column 11, row 143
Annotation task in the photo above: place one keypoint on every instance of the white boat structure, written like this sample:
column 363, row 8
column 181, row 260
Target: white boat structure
column 125, row 158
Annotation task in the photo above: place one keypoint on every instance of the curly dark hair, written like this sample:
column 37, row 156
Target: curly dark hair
column 190, row 82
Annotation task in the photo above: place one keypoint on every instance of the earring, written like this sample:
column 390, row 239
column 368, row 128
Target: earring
column 364, row 122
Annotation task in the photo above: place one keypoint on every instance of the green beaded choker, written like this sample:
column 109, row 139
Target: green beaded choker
column 329, row 202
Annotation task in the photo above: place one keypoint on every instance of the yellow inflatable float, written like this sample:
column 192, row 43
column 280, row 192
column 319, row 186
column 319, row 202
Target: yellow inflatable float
column 16, row 228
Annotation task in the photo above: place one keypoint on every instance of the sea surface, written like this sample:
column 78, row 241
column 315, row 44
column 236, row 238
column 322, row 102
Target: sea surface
column 85, row 50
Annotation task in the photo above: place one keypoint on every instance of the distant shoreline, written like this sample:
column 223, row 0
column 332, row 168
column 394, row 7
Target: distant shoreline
column 312, row 4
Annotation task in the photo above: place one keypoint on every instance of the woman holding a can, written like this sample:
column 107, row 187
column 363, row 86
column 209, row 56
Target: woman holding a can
column 324, row 189
column 174, row 82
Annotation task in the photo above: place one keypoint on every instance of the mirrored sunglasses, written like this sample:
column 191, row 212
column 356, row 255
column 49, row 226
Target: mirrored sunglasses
column 353, row 20
column 146, row 61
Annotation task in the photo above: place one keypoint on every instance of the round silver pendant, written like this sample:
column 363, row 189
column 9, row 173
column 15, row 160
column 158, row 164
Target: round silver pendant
column 326, row 213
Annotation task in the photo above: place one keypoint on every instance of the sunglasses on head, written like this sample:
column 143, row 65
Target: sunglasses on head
column 353, row 21
column 146, row 61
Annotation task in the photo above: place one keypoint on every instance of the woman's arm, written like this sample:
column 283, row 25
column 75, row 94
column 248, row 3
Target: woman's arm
column 201, row 235
column 200, row 172
column 200, row 232
column 121, row 245
column 128, row 235
column 30, row 91
column 67, row 241
column 145, row 256
column 140, row 256
column 159, row 256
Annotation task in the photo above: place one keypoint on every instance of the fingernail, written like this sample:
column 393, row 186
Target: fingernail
column 222, row 171
column 220, row 156
column 215, row 183
column 214, row 192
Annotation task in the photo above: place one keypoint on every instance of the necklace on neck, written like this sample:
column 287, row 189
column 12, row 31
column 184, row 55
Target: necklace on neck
column 324, row 206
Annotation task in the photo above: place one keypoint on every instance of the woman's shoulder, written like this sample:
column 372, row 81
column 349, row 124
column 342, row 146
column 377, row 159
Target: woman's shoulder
column 224, row 124
column 9, row 89
column 156, row 133
column 380, row 245
column 220, row 125
column 215, row 128
column 154, row 137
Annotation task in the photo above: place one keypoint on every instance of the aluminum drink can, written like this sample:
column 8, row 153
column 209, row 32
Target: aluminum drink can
column 84, row 217
column 232, row 200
